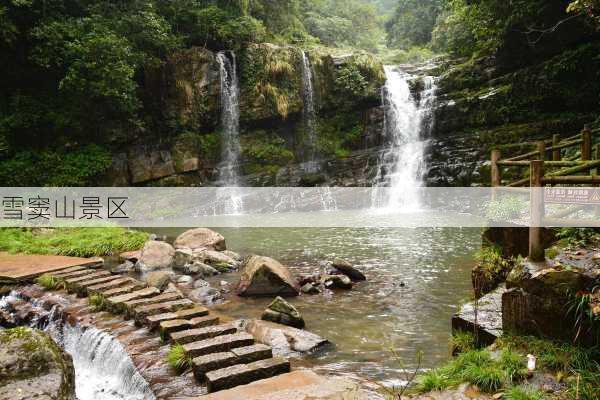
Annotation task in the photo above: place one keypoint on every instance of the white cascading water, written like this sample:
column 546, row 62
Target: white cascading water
column 103, row 370
column 407, row 123
column 309, row 115
column 230, row 134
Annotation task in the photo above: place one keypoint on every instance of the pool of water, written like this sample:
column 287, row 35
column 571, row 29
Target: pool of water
column 416, row 280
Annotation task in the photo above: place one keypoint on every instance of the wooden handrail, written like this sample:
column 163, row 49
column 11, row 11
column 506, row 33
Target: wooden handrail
column 572, row 180
column 573, row 170
column 525, row 163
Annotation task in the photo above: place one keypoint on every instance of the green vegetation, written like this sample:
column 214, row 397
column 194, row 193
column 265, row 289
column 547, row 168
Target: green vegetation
column 49, row 282
column 506, row 370
column 79, row 242
column 97, row 302
column 578, row 236
column 177, row 359
column 461, row 342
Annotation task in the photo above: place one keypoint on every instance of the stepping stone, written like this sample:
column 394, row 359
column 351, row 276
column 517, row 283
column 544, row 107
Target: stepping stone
column 166, row 328
column 242, row 374
column 202, row 322
column 119, row 282
column 154, row 321
column 212, row 362
column 253, row 353
column 75, row 274
column 129, row 306
column 196, row 335
column 72, row 283
column 123, row 290
column 68, row 271
column 141, row 312
column 116, row 304
column 81, row 287
column 217, row 344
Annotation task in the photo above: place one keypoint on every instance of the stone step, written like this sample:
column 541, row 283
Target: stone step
column 117, row 283
column 218, row 344
column 81, row 287
column 241, row 355
column 196, row 335
column 87, row 277
column 72, row 270
column 202, row 322
column 116, row 304
column 166, row 328
column 241, row 374
column 123, row 290
column 129, row 306
column 141, row 312
column 75, row 274
column 153, row 321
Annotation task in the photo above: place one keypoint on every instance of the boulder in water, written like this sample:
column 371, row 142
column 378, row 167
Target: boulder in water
column 310, row 288
column 347, row 269
column 206, row 295
column 33, row 366
column 200, row 238
column 336, row 282
column 233, row 255
column 264, row 276
column 282, row 312
column 182, row 257
column 158, row 279
column 214, row 258
column 123, row 268
column 155, row 255
column 284, row 339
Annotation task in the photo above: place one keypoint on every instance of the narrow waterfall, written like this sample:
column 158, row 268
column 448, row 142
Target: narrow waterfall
column 230, row 135
column 308, row 114
column 103, row 369
column 407, row 123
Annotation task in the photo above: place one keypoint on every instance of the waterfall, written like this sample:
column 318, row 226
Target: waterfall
column 103, row 369
column 407, row 123
column 230, row 134
column 308, row 114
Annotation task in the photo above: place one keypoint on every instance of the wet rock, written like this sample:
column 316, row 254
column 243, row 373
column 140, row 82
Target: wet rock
column 197, row 268
column 215, row 259
column 284, row 339
column 155, row 255
column 347, row 269
column 336, row 282
column 182, row 257
column 310, row 288
column 282, row 312
column 233, row 255
column 124, row 268
column 33, row 366
column 200, row 283
column 158, row 279
column 264, row 276
column 206, row 295
column 131, row 256
column 200, row 238
column 185, row 280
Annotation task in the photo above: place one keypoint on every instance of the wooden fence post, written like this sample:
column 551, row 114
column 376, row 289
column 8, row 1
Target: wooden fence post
column 555, row 152
column 586, row 144
column 536, row 246
column 541, row 148
column 496, row 174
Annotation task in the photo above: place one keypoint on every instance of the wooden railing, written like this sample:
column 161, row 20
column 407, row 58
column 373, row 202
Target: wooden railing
column 547, row 167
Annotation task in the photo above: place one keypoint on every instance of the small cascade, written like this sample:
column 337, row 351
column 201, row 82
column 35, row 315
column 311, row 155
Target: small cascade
column 309, row 114
column 103, row 369
column 407, row 123
column 230, row 133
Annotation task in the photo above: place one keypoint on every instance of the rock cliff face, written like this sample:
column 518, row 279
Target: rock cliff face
column 185, row 94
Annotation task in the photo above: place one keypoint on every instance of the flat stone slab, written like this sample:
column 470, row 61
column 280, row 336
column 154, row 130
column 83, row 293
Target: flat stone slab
column 483, row 317
column 166, row 328
column 242, row 374
column 195, row 335
column 129, row 306
column 22, row 267
column 94, row 275
column 154, row 321
column 296, row 385
column 71, row 272
column 140, row 313
column 253, row 353
column 122, row 290
column 116, row 304
column 241, row 355
column 116, row 283
column 218, row 344
column 81, row 287
column 202, row 322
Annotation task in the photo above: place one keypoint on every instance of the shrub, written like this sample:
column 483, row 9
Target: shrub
column 97, row 302
column 461, row 342
column 48, row 282
column 177, row 358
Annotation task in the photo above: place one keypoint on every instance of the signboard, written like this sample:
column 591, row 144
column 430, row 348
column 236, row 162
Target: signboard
column 563, row 195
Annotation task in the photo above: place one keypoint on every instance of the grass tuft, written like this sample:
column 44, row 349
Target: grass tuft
column 177, row 358
column 488, row 378
column 461, row 342
column 48, row 282
column 521, row 393
column 433, row 380
column 97, row 302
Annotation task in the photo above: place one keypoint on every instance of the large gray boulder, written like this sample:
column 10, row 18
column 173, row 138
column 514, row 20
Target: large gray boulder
column 200, row 238
column 155, row 255
column 284, row 339
column 32, row 366
column 347, row 269
column 264, row 276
